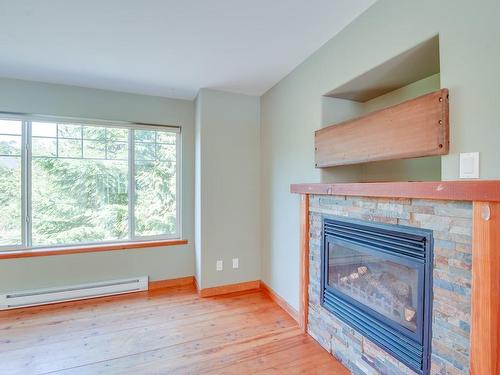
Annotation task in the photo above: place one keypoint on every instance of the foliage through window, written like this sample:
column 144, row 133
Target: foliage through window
column 72, row 183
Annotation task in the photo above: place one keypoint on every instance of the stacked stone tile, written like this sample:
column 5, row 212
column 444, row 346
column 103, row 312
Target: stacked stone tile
column 451, row 223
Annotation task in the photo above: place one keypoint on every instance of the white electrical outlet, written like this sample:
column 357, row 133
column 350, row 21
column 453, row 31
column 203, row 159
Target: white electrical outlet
column 220, row 265
column 236, row 263
column 469, row 165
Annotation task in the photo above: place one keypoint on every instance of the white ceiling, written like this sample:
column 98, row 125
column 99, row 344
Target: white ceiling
column 166, row 47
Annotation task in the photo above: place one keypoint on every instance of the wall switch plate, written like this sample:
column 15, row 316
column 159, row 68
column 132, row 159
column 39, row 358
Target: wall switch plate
column 220, row 265
column 236, row 263
column 469, row 165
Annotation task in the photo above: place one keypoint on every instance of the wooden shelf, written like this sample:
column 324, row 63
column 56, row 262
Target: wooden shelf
column 415, row 128
column 484, row 190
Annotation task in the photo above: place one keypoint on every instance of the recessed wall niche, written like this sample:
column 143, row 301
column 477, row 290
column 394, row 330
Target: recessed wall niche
column 408, row 75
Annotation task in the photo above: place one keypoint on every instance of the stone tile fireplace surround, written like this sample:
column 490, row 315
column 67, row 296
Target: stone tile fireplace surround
column 451, row 223
column 463, row 218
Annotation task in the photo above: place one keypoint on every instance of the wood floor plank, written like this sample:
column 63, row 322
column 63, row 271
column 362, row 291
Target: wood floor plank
column 300, row 356
column 183, row 358
column 88, row 349
column 105, row 305
column 170, row 331
column 96, row 324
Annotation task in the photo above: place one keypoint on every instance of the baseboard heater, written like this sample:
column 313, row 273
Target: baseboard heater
column 73, row 292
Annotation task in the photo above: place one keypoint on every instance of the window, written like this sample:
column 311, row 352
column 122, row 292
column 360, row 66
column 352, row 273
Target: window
column 81, row 183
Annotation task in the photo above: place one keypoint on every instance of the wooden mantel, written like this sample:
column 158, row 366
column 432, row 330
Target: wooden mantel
column 485, row 190
column 485, row 299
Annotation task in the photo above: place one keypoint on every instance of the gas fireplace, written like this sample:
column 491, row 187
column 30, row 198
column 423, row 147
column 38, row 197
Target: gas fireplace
column 377, row 278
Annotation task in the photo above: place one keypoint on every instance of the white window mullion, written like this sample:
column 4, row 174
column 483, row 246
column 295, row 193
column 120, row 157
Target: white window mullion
column 178, row 187
column 131, row 184
column 26, row 184
column 24, row 160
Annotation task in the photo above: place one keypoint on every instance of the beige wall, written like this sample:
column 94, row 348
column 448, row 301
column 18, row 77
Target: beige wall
column 227, row 187
column 469, row 53
column 158, row 263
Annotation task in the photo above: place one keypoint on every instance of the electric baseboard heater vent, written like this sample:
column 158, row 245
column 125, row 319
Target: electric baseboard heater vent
column 37, row 297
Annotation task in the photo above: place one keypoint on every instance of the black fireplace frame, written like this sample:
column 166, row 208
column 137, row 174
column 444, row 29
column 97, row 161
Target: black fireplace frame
column 405, row 245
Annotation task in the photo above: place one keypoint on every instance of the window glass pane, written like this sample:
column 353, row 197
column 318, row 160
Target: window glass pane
column 10, row 201
column 117, row 150
column 69, row 131
column 10, row 145
column 144, row 135
column 155, row 186
column 166, row 137
column 94, row 149
column 12, row 127
column 167, row 152
column 79, row 201
column 145, row 151
column 70, row 148
column 117, row 134
column 44, row 147
column 94, row 132
column 44, row 129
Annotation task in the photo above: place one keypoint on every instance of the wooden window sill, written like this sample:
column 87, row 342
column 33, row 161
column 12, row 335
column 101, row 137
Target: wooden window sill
column 87, row 249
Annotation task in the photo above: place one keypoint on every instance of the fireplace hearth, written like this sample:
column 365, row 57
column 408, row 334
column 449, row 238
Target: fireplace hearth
column 377, row 278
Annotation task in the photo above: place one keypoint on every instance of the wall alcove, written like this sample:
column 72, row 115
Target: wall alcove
column 412, row 73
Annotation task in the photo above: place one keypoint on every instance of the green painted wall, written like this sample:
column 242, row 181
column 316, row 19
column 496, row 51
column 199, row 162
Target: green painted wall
column 158, row 263
column 469, row 34
column 227, row 187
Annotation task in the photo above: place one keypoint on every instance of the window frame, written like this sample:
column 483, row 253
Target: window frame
column 26, row 178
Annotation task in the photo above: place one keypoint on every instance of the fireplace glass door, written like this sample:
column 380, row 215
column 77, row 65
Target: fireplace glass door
column 376, row 280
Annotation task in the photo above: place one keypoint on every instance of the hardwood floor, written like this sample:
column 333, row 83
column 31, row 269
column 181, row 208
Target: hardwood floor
column 166, row 331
